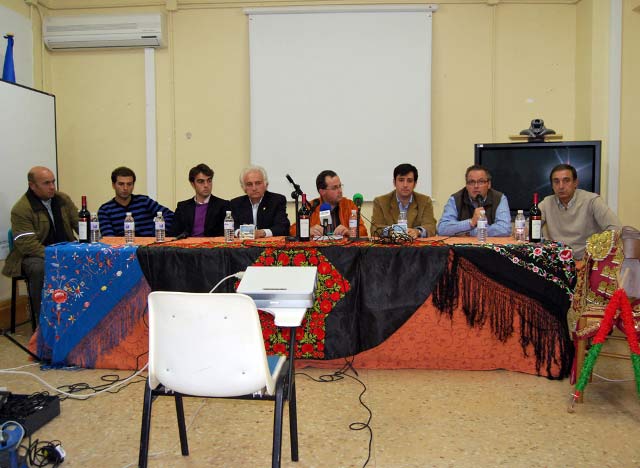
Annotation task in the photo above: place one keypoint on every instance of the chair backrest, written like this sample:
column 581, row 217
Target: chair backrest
column 207, row 344
column 10, row 239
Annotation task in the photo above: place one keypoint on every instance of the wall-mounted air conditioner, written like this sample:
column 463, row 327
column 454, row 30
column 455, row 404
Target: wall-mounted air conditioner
column 100, row 31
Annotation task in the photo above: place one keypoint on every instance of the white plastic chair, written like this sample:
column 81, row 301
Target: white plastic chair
column 211, row 345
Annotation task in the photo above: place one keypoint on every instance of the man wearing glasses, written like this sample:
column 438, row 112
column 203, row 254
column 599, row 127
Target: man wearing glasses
column 462, row 210
column 330, row 190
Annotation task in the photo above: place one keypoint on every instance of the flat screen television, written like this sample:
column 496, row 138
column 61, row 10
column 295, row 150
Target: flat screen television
column 520, row 169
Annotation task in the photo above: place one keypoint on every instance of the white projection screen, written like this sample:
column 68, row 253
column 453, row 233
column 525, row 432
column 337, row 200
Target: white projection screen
column 344, row 88
column 27, row 139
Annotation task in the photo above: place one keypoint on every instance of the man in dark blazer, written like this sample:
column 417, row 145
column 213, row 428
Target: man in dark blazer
column 203, row 215
column 266, row 210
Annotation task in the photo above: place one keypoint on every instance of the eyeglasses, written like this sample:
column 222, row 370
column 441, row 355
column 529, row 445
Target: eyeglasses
column 477, row 183
column 335, row 187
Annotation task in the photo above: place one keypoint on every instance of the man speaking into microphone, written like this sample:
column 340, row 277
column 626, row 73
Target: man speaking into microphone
column 330, row 189
column 462, row 210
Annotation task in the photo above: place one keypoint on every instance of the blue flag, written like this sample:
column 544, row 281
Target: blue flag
column 9, row 71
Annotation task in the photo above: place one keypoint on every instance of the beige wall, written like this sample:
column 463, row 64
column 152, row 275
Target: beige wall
column 495, row 67
column 629, row 180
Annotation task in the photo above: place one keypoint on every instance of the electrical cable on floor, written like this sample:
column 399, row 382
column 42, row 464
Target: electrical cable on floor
column 607, row 379
column 338, row 375
column 71, row 395
column 112, row 379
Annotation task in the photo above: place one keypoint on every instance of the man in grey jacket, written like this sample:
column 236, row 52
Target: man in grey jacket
column 42, row 216
column 572, row 215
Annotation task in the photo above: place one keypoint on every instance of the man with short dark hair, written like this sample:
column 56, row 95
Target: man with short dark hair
column 267, row 211
column 572, row 215
column 41, row 217
column 330, row 189
column 418, row 207
column 143, row 209
column 460, row 215
column 203, row 214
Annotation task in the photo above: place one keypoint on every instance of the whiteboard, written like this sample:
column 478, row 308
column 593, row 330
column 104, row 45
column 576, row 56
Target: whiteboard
column 27, row 139
column 347, row 90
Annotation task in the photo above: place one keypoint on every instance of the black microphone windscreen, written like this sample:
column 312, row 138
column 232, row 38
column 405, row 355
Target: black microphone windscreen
column 479, row 200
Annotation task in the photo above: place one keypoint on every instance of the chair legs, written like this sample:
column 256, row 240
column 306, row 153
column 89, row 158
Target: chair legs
column 14, row 299
column 293, row 419
column 146, row 426
column 276, row 452
column 282, row 388
column 182, row 428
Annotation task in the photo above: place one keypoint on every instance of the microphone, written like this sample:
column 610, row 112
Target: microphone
column 479, row 200
column 325, row 218
column 357, row 200
column 184, row 235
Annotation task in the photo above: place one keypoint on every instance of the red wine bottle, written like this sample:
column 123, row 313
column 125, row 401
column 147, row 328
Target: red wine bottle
column 84, row 221
column 304, row 215
column 535, row 221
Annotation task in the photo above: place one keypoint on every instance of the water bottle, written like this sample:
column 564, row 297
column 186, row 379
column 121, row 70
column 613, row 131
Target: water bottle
column 95, row 228
column 519, row 229
column 228, row 227
column 160, row 227
column 481, row 227
column 402, row 220
column 129, row 229
column 353, row 224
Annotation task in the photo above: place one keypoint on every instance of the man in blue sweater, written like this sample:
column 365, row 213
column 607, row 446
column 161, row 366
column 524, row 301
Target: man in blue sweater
column 143, row 209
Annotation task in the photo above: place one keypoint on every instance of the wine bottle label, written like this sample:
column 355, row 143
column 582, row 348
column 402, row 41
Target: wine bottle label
column 304, row 227
column 82, row 230
column 536, row 229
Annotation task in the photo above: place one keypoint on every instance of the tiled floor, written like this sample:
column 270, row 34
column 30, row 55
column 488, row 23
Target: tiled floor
column 420, row 419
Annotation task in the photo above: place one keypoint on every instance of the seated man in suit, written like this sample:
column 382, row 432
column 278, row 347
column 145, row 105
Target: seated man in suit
column 330, row 189
column 267, row 211
column 203, row 215
column 572, row 215
column 419, row 209
column 462, row 210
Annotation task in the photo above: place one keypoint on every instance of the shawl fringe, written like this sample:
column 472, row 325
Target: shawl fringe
column 113, row 329
column 483, row 299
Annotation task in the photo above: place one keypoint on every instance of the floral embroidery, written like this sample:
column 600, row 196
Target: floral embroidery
column 330, row 288
column 552, row 261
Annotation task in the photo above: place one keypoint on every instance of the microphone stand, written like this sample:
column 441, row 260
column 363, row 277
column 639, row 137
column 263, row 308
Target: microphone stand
column 297, row 192
column 357, row 237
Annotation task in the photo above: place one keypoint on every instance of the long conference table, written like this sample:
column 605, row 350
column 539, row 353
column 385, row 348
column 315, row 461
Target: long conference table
column 439, row 303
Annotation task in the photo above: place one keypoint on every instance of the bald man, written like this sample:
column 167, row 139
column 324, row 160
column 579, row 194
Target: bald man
column 42, row 216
